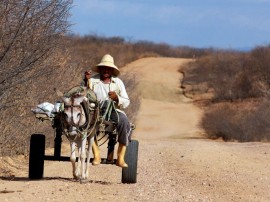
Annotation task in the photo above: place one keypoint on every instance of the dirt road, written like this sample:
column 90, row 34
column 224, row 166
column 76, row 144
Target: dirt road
column 176, row 163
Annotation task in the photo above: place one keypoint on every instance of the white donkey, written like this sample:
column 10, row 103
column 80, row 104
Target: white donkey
column 79, row 129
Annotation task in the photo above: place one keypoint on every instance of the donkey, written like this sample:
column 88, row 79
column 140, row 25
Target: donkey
column 80, row 117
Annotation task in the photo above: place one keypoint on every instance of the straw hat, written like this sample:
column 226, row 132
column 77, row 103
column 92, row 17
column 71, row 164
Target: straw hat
column 107, row 61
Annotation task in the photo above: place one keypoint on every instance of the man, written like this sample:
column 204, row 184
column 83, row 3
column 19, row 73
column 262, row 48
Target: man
column 108, row 87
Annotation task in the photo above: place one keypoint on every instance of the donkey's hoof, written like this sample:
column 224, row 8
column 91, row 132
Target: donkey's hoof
column 83, row 181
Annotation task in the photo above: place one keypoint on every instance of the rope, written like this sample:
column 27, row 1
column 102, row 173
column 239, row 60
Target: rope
column 103, row 141
column 109, row 108
column 86, row 130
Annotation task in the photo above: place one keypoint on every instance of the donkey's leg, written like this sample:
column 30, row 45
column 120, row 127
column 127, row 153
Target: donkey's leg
column 78, row 167
column 73, row 158
column 83, row 157
column 90, row 144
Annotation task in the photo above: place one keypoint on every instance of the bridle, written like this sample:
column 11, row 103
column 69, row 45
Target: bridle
column 72, row 106
column 87, row 128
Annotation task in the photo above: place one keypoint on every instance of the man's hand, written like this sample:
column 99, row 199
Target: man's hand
column 113, row 96
column 87, row 74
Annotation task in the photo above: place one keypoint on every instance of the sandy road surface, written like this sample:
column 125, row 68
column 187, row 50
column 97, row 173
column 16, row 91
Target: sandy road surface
column 175, row 162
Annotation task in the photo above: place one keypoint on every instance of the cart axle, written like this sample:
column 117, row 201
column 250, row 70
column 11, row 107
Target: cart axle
column 66, row 158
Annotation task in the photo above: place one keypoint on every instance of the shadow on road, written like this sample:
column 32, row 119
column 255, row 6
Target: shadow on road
column 26, row 179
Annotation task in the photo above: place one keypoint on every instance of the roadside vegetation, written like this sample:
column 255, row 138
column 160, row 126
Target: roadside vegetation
column 234, row 90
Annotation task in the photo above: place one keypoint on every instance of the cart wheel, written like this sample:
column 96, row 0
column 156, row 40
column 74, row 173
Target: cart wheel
column 36, row 156
column 129, row 175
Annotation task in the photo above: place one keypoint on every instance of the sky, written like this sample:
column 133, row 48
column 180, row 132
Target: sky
column 226, row 24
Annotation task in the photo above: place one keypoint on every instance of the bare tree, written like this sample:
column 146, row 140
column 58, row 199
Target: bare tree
column 32, row 53
column 31, row 36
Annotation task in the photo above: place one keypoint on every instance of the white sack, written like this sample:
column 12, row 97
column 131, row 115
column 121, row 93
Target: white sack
column 44, row 107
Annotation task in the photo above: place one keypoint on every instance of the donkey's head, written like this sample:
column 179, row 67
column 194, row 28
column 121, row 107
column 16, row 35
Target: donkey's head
column 73, row 111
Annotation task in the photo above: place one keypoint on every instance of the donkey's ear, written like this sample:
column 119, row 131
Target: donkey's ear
column 85, row 99
column 80, row 99
column 66, row 100
column 58, row 92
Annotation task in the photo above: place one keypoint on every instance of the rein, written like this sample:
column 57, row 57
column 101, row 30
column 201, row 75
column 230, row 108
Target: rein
column 109, row 108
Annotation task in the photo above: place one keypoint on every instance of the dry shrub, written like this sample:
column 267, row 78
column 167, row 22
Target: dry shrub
column 259, row 62
column 241, row 122
column 5, row 168
column 224, row 73
column 131, row 84
column 232, row 75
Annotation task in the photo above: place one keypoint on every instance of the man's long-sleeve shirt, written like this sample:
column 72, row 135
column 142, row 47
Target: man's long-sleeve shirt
column 101, row 89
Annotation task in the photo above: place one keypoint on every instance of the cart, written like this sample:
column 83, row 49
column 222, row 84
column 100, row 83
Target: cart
column 37, row 152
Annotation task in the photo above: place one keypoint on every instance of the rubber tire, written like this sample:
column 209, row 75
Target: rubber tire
column 36, row 156
column 129, row 175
